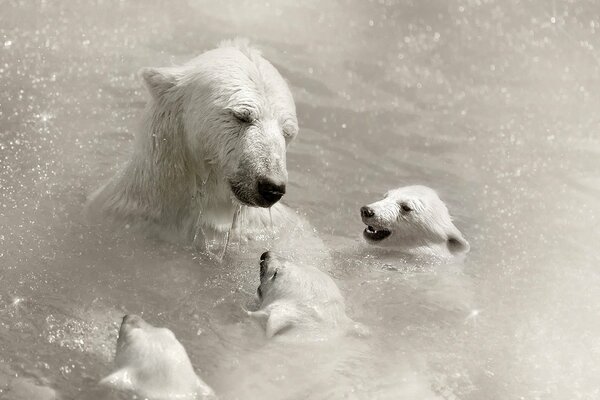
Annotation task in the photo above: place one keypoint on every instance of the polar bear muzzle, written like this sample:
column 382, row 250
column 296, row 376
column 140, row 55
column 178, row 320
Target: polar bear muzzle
column 265, row 193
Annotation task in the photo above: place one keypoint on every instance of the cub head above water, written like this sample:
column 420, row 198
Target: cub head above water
column 413, row 219
column 299, row 299
column 152, row 363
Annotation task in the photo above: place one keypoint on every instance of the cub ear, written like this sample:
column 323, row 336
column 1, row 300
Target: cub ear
column 159, row 80
column 457, row 243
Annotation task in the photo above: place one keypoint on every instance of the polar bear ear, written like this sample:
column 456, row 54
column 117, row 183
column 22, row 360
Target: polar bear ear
column 456, row 242
column 159, row 80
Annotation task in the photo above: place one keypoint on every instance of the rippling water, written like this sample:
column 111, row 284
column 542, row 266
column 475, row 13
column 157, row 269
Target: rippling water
column 493, row 103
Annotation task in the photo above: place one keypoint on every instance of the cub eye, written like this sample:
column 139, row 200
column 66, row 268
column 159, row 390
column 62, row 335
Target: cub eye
column 274, row 275
column 405, row 207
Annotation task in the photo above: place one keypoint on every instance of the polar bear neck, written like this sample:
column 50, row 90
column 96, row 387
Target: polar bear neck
column 159, row 173
column 162, row 185
column 188, row 191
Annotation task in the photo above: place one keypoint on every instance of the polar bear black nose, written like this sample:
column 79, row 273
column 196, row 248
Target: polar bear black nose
column 265, row 255
column 270, row 191
column 366, row 212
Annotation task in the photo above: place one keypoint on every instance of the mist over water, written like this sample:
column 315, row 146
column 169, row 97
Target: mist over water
column 495, row 104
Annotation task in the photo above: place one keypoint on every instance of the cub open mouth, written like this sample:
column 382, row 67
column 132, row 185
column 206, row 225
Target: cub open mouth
column 376, row 234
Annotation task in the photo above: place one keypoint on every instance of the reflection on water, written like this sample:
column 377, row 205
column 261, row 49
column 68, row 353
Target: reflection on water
column 493, row 103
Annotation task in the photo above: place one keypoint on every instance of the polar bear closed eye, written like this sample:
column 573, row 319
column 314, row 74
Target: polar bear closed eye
column 413, row 219
column 301, row 300
column 152, row 363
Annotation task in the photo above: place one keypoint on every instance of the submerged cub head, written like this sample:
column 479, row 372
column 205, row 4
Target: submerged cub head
column 297, row 297
column 152, row 363
column 412, row 217
column 281, row 279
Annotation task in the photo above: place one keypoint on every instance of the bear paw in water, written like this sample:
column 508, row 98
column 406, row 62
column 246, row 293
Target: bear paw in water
column 301, row 300
column 152, row 363
column 415, row 220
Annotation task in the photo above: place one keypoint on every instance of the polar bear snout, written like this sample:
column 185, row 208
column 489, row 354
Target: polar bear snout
column 270, row 190
column 129, row 322
column 265, row 255
column 375, row 231
column 264, row 259
column 132, row 320
column 366, row 212
column 256, row 187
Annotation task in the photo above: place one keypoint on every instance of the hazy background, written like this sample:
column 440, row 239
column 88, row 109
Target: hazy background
column 495, row 104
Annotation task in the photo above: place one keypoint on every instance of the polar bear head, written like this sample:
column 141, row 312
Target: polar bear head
column 412, row 217
column 298, row 297
column 281, row 279
column 236, row 115
column 151, row 362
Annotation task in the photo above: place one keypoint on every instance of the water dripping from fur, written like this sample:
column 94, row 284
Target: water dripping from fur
column 199, row 233
column 203, row 242
column 236, row 216
column 241, row 227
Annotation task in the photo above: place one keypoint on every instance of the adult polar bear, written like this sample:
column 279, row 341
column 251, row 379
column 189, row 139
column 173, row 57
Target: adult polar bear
column 214, row 138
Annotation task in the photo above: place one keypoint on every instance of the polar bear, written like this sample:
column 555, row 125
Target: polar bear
column 152, row 363
column 415, row 220
column 301, row 300
column 213, row 139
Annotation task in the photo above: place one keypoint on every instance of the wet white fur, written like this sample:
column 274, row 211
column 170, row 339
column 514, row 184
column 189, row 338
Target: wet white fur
column 427, row 229
column 152, row 363
column 301, row 301
column 191, row 144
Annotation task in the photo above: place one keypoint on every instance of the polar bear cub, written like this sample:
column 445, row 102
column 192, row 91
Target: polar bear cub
column 299, row 299
column 415, row 220
column 152, row 363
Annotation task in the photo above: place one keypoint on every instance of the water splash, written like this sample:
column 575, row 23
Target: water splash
column 200, row 241
column 236, row 216
column 199, row 233
column 241, row 226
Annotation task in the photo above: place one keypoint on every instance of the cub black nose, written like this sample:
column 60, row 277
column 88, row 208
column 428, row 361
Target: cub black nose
column 265, row 255
column 270, row 191
column 366, row 212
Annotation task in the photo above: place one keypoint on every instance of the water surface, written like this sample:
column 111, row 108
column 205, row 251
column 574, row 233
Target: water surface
column 493, row 103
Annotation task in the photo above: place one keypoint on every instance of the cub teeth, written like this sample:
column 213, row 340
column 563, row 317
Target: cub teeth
column 371, row 229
